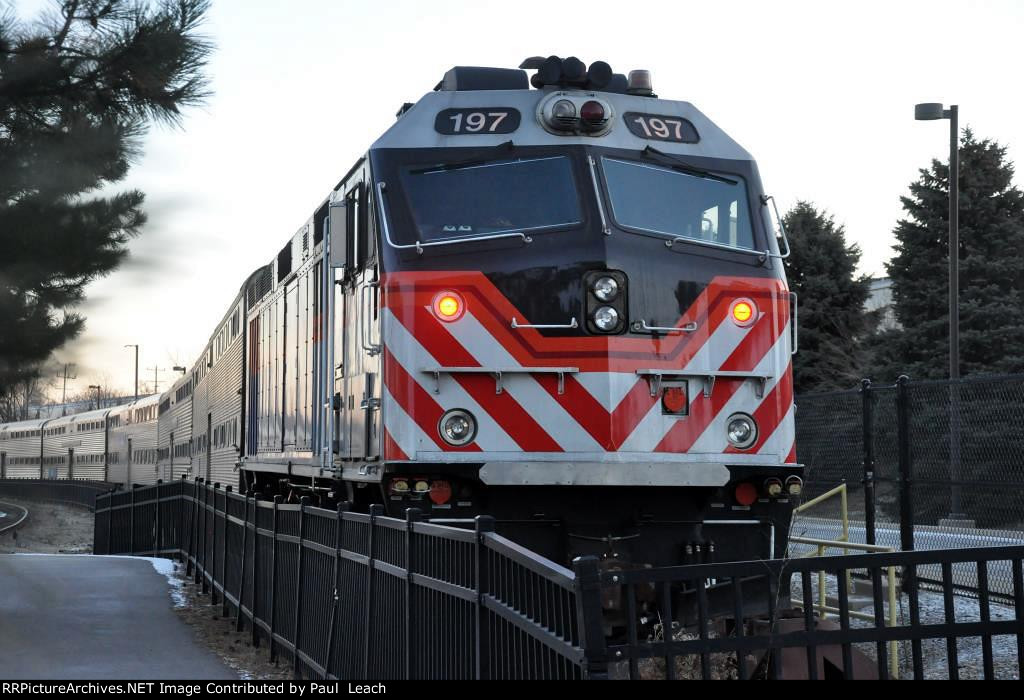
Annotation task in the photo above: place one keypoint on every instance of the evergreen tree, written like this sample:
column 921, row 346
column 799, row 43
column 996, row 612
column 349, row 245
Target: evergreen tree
column 78, row 88
column 833, row 325
column 991, row 258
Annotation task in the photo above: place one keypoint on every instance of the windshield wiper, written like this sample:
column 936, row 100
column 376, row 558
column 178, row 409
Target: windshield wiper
column 468, row 163
column 679, row 164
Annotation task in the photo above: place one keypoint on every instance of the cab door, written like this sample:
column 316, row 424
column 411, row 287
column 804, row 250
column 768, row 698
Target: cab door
column 357, row 331
column 364, row 343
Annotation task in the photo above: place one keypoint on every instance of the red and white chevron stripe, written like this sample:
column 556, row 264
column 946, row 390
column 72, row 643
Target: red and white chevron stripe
column 605, row 412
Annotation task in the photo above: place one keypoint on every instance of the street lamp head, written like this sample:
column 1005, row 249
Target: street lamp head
column 179, row 369
column 929, row 111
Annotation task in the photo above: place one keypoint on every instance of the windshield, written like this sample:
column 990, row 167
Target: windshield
column 675, row 203
column 491, row 198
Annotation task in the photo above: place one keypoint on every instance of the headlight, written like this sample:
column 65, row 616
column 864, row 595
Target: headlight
column 606, row 318
column 457, row 427
column 606, row 288
column 741, row 430
column 563, row 109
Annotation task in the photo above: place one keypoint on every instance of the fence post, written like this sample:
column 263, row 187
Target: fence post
column 131, row 523
column 339, row 525
column 224, row 555
column 484, row 525
column 190, row 553
column 241, row 566
column 156, row 535
column 589, row 617
column 273, row 581
column 298, row 585
column 376, row 510
column 412, row 516
column 256, row 498
column 204, row 511
column 110, row 519
column 906, row 465
column 213, row 544
column 181, row 519
column 867, row 400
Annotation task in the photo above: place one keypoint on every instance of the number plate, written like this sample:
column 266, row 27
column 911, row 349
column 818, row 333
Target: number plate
column 477, row 120
column 659, row 127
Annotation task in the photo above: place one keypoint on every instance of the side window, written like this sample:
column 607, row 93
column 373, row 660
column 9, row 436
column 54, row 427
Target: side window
column 352, row 215
column 363, row 252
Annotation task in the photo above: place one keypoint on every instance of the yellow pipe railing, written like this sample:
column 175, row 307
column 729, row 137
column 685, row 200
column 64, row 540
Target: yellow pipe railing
column 843, row 543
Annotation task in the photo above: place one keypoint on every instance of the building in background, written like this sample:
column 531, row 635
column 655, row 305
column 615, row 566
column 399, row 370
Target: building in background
column 880, row 300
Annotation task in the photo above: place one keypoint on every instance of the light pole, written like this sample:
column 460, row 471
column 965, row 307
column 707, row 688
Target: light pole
column 930, row 111
column 97, row 388
column 136, row 369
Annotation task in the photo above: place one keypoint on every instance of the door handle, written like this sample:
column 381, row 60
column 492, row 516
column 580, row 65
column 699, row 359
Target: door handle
column 364, row 323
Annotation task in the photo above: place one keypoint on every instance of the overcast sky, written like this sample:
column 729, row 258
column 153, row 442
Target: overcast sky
column 821, row 93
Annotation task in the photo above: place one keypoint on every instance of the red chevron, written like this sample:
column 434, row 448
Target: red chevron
column 391, row 449
column 409, row 294
column 770, row 413
column 754, row 346
column 502, row 408
column 416, row 402
column 405, row 292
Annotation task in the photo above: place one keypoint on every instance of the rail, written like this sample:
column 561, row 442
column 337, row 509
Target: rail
column 12, row 526
column 75, row 492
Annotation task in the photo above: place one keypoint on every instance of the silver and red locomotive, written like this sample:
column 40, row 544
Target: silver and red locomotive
column 564, row 307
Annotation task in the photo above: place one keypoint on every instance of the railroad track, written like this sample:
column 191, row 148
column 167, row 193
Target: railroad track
column 11, row 517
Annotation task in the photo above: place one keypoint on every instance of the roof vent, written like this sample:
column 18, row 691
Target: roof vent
column 474, row 78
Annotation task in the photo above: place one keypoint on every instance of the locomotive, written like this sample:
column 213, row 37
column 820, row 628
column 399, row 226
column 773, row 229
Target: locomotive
column 557, row 300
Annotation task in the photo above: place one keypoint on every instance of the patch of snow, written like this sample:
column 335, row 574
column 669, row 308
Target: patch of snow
column 169, row 569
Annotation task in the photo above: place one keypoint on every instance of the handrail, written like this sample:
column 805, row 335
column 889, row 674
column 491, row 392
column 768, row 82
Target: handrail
column 605, row 228
column 642, row 325
column 844, row 544
column 765, row 198
column 571, row 324
column 497, row 373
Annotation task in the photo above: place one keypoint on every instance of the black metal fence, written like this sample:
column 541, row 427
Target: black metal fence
column 73, row 492
column 928, row 465
column 344, row 595
column 889, row 629
column 352, row 595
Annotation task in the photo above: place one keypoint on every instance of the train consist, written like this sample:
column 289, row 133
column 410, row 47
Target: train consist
column 557, row 300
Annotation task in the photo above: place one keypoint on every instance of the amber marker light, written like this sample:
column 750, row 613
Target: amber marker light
column 743, row 312
column 449, row 306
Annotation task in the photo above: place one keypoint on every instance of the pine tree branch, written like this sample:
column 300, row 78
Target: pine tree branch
column 69, row 10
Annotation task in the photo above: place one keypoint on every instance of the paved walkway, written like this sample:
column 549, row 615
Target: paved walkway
column 89, row 617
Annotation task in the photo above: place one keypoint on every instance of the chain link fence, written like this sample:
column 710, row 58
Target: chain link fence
column 927, row 465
